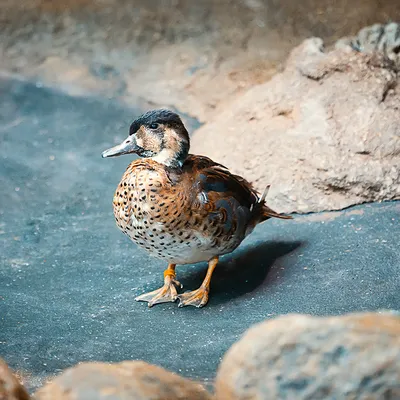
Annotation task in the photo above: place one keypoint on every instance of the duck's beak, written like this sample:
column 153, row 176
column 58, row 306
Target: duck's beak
column 127, row 146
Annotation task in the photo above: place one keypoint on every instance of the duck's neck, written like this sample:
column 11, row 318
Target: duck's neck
column 167, row 157
column 173, row 156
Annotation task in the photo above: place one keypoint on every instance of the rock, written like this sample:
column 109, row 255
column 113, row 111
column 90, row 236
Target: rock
column 134, row 380
column 10, row 388
column 72, row 78
column 356, row 356
column 155, row 45
column 324, row 133
column 382, row 38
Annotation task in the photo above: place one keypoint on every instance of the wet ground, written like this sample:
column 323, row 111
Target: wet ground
column 68, row 277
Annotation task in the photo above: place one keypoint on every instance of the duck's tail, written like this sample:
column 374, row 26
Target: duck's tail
column 262, row 212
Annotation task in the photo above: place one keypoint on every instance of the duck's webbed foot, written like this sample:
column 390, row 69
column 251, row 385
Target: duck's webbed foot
column 167, row 293
column 199, row 297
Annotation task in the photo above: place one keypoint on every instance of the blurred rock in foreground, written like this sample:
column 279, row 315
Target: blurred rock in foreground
column 135, row 380
column 10, row 388
column 356, row 356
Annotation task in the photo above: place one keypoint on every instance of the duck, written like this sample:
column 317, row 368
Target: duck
column 180, row 207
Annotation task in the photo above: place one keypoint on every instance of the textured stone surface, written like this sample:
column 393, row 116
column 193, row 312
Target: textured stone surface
column 301, row 357
column 134, row 380
column 325, row 133
column 10, row 387
column 383, row 38
column 169, row 52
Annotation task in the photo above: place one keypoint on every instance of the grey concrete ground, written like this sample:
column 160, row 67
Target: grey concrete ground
column 68, row 277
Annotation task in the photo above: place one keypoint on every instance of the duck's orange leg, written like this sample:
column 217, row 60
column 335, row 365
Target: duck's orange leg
column 165, row 294
column 199, row 297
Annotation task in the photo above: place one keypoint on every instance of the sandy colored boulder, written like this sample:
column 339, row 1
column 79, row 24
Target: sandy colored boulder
column 10, row 387
column 324, row 133
column 302, row 357
column 134, row 380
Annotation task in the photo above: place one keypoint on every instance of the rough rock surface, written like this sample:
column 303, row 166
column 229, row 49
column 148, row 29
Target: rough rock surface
column 384, row 38
column 10, row 388
column 135, row 380
column 324, row 133
column 356, row 356
column 169, row 52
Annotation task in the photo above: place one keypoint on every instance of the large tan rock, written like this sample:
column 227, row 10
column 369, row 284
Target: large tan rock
column 324, row 133
column 10, row 387
column 302, row 357
column 133, row 380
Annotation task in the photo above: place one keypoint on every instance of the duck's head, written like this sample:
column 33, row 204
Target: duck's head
column 159, row 135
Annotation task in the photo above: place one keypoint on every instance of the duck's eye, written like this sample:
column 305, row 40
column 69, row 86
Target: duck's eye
column 154, row 125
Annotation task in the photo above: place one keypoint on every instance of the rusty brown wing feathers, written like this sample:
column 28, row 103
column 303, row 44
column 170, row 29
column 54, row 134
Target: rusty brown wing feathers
column 217, row 186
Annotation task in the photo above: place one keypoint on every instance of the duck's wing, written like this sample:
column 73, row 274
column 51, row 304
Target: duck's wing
column 216, row 188
column 215, row 181
column 220, row 201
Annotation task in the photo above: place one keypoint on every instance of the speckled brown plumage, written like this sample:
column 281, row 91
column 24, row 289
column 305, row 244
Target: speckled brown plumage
column 181, row 208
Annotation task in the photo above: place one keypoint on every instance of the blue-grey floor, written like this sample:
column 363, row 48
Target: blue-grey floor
column 68, row 277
